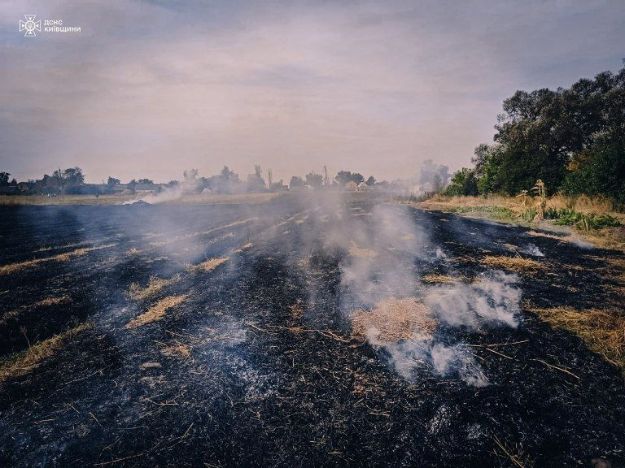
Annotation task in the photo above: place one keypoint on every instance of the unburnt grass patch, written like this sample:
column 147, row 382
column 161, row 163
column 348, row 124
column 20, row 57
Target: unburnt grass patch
column 243, row 248
column 210, row 264
column 603, row 331
column 177, row 350
column 64, row 257
column 157, row 311
column 516, row 264
column 23, row 362
column 435, row 278
column 619, row 265
column 393, row 320
column 154, row 286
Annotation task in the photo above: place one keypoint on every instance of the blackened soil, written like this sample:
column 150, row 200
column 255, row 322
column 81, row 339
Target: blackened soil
column 273, row 375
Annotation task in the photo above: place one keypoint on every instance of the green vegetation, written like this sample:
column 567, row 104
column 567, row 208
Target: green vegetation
column 572, row 139
column 463, row 182
column 495, row 212
column 583, row 221
column 561, row 217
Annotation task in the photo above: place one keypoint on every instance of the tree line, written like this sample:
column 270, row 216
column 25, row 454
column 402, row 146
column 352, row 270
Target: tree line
column 573, row 139
column 72, row 181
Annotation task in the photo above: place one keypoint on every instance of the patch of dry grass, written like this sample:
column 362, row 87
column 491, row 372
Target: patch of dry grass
column 22, row 363
column 619, row 264
column 605, row 238
column 435, row 278
column 157, row 311
column 442, row 202
column 517, row 264
column 608, row 237
column 603, row 331
column 64, row 257
column 58, row 247
column 52, row 300
column 210, row 264
column 177, row 350
column 154, row 286
column 243, row 248
column 392, row 320
column 582, row 203
column 14, row 267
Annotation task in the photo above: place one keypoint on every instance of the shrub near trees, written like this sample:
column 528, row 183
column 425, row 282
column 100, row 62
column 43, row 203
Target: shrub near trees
column 573, row 139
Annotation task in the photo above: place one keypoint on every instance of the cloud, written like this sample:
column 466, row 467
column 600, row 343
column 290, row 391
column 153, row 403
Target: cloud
column 151, row 87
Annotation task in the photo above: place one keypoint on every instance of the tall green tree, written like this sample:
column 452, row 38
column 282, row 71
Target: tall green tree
column 463, row 182
column 569, row 138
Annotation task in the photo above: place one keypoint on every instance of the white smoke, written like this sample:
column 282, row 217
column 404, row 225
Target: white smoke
column 532, row 250
column 489, row 302
column 450, row 359
column 166, row 195
column 384, row 253
column 492, row 300
column 190, row 184
column 381, row 264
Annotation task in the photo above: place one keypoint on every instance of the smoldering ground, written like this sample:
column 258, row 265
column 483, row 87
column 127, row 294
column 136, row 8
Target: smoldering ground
column 266, row 334
column 383, row 253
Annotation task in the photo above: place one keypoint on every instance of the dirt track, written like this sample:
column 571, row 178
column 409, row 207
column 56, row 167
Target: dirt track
column 256, row 364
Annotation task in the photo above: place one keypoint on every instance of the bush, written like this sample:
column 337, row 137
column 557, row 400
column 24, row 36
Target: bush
column 599, row 171
column 529, row 214
column 585, row 222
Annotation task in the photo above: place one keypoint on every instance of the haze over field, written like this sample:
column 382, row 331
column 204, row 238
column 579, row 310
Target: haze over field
column 147, row 89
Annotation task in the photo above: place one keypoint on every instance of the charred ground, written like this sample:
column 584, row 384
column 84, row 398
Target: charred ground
column 258, row 365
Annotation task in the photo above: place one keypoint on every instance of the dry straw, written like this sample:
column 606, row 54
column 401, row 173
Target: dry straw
column 393, row 320
column 157, row 311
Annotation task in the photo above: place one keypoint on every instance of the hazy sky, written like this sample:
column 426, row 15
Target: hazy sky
column 149, row 88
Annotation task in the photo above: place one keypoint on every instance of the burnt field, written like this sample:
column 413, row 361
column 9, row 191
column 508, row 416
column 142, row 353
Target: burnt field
column 320, row 331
